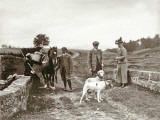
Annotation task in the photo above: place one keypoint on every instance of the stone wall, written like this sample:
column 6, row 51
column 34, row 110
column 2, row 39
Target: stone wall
column 148, row 79
column 9, row 65
column 14, row 98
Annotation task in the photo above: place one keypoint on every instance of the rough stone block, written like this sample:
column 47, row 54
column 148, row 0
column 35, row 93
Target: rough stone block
column 14, row 98
column 155, row 76
column 146, row 79
column 144, row 75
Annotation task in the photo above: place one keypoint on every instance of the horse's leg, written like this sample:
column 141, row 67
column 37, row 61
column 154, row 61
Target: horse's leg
column 49, row 79
column 55, row 75
column 45, row 79
column 52, row 80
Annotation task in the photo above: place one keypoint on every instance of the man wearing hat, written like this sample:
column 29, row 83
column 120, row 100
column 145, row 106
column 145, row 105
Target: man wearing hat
column 95, row 59
column 66, row 67
column 121, row 63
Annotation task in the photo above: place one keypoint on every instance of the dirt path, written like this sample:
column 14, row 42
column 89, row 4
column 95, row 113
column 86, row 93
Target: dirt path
column 129, row 103
column 61, row 105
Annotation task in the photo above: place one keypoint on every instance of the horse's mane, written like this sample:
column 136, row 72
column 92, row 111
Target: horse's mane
column 49, row 52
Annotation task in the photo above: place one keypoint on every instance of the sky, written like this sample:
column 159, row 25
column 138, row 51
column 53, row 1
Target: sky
column 77, row 23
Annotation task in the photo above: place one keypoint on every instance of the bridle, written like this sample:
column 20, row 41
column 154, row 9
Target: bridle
column 53, row 55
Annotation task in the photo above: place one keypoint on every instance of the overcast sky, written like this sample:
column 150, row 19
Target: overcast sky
column 77, row 23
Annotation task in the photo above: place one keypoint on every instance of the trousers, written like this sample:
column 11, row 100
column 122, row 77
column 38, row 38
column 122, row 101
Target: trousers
column 66, row 77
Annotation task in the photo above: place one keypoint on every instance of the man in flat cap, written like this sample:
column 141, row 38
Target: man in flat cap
column 95, row 59
column 66, row 67
column 121, row 63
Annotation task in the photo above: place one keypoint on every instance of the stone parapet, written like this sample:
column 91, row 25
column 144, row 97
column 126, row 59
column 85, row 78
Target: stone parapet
column 9, row 65
column 14, row 98
column 148, row 79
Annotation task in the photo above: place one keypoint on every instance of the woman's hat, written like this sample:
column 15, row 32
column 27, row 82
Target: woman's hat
column 119, row 41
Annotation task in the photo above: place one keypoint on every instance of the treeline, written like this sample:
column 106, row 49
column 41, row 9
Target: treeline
column 142, row 43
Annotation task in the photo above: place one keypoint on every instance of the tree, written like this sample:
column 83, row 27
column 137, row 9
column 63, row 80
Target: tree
column 4, row 46
column 41, row 39
column 131, row 45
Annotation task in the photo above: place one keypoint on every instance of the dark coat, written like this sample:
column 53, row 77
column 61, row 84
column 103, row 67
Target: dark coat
column 95, row 59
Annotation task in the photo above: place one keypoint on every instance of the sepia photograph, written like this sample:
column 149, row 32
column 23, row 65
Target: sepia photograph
column 80, row 60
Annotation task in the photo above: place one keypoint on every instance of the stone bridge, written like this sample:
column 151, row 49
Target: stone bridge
column 14, row 98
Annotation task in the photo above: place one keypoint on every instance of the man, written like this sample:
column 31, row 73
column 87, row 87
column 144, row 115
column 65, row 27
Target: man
column 95, row 59
column 35, row 64
column 66, row 67
column 121, row 63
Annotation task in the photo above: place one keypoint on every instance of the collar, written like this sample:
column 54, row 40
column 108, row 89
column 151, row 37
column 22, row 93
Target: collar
column 99, row 78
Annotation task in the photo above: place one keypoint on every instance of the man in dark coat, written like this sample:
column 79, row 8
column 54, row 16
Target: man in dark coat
column 66, row 67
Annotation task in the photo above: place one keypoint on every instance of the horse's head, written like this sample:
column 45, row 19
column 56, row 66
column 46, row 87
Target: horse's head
column 52, row 53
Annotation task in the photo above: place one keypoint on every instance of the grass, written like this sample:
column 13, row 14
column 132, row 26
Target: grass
column 138, row 99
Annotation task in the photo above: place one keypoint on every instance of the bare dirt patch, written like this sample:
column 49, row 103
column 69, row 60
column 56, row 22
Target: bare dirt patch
column 60, row 105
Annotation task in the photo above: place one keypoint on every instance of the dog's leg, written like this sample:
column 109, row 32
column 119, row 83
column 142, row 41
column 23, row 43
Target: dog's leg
column 101, row 99
column 95, row 95
column 87, row 97
column 98, row 96
column 84, row 92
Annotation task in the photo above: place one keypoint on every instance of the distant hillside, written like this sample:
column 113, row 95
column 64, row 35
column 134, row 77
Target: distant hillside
column 145, row 59
column 140, row 44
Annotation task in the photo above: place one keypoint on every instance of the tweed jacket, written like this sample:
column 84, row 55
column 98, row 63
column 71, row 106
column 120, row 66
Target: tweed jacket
column 122, row 55
column 94, row 58
column 65, row 61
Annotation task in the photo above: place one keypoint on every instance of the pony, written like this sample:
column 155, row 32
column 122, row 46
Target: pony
column 49, row 71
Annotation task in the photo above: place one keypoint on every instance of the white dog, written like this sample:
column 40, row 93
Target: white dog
column 96, row 84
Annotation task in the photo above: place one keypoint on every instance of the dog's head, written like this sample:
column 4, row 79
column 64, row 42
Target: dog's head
column 100, row 73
